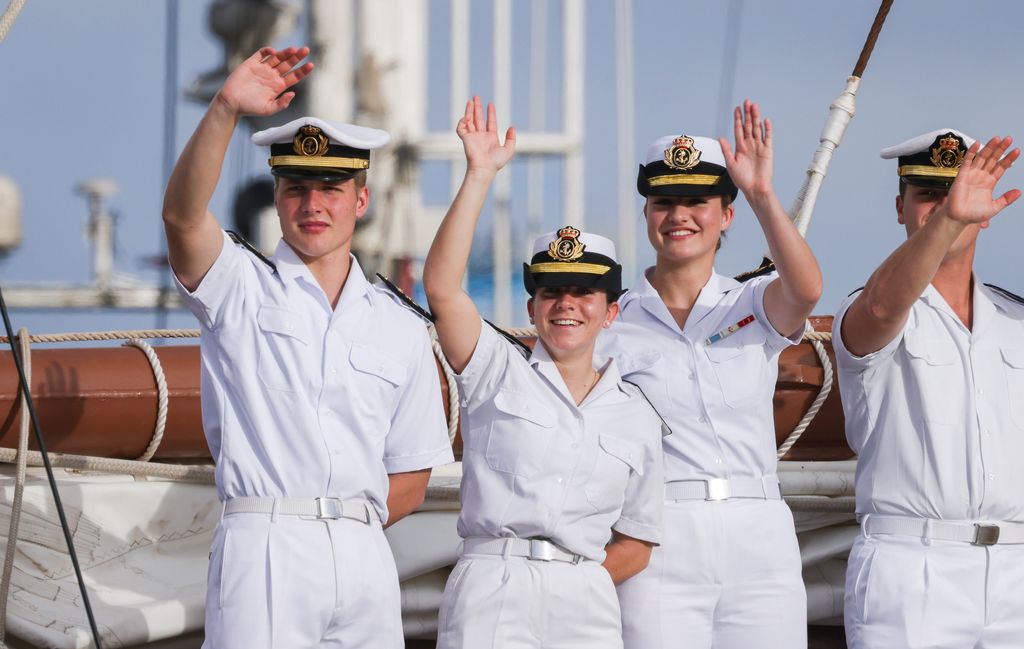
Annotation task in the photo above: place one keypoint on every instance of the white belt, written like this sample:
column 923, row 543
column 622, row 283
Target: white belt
column 322, row 508
column 976, row 533
column 767, row 488
column 533, row 549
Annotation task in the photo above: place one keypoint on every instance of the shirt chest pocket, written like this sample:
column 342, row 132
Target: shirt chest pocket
column 617, row 458
column 938, row 378
column 375, row 385
column 284, row 342
column 1013, row 365
column 740, row 372
column 519, row 435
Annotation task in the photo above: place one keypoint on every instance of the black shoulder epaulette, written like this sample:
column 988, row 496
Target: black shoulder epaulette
column 429, row 317
column 405, row 299
column 237, row 238
column 1008, row 295
column 665, row 429
column 523, row 348
column 855, row 290
column 767, row 266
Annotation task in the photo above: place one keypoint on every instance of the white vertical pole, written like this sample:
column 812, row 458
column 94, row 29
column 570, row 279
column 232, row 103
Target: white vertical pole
column 501, row 232
column 329, row 91
column 625, row 92
column 460, row 80
column 538, row 106
column 574, row 24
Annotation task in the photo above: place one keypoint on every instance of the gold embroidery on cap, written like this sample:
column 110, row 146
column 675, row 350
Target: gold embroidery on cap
column 948, row 153
column 682, row 155
column 567, row 247
column 310, row 141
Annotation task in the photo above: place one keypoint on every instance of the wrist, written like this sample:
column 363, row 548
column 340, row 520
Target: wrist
column 225, row 106
column 481, row 174
column 758, row 197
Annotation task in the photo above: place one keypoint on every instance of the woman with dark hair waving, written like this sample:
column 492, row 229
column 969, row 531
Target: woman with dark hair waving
column 562, row 480
column 704, row 348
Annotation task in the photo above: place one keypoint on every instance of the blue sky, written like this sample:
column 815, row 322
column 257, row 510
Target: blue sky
column 83, row 97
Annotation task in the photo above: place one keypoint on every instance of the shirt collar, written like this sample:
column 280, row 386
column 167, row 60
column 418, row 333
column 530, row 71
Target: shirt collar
column 708, row 297
column 290, row 267
column 541, row 360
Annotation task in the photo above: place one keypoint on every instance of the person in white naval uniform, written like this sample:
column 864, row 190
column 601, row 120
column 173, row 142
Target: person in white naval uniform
column 931, row 367
column 562, row 480
column 704, row 348
column 319, row 392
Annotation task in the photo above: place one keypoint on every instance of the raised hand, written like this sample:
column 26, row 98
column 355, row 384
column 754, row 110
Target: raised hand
column 971, row 198
column 258, row 85
column 480, row 139
column 750, row 167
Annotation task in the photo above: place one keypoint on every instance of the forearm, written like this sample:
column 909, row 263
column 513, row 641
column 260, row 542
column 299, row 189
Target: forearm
column 626, row 557
column 905, row 274
column 800, row 280
column 198, row 169
column 406, row 492
column 449, row 253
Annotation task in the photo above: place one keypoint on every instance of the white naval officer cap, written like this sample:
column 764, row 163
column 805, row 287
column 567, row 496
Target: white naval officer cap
column 683, row 165
column 571, row 257
column 932, row 159
column 316, row 149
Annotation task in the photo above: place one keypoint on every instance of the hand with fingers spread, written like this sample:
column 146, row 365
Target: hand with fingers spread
column 484, row 152
column 971, row 199
column 751, row 166
column 258, row 86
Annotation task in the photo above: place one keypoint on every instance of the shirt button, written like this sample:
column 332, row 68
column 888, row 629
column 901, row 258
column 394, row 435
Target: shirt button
column 560, row 480
column 334, row 370
column 574, row 445
column 702, row 419
column 718, row 460
column 692, row 376
column 991, row 476
column 980, row 391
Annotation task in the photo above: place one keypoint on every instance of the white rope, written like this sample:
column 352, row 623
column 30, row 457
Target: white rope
column 815, row 338
column 453, row 387
column 161, row 398
column 200, row 473
column 19, row 483
column 822, row 504
column 6, row 22
column 85, row 336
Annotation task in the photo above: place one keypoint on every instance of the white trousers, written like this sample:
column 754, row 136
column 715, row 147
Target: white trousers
column 301, row 583
column 727, row 575
column 515, row 603
column 912, row 593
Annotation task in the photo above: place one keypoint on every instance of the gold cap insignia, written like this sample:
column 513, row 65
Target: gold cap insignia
column 948, row 153
column 310, row 141
column 682, row 155
column 567, row 246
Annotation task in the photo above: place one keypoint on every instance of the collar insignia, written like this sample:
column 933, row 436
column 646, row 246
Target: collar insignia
column 310, row 141
column 948, row 151
column 567, row 247
column 682, row 155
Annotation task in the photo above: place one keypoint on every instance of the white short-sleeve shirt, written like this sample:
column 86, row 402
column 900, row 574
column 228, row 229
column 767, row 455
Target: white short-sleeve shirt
column 301, row 400
column 536, row 465
column 937, row 415
column 713, row 381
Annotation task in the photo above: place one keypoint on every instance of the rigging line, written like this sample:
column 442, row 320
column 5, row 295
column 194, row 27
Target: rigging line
column 25, row 388
column 730, row 55
column 10, row 14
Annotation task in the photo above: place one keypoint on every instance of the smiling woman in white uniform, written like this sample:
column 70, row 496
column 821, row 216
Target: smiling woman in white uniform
column 562, row 480
column 704, row 348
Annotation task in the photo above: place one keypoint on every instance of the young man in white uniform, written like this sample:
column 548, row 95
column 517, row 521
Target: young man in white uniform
column 931, row 366
column 320, row 394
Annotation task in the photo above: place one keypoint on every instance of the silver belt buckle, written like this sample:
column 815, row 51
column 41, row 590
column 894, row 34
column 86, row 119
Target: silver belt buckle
column 541, row 550
column 985, row 534
column 718, row 489
column 328, row 508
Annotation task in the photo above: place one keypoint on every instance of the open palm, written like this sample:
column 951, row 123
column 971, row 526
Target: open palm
column 971, row 198
column 750, row 167
column 484, row 152
column 258, row 85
